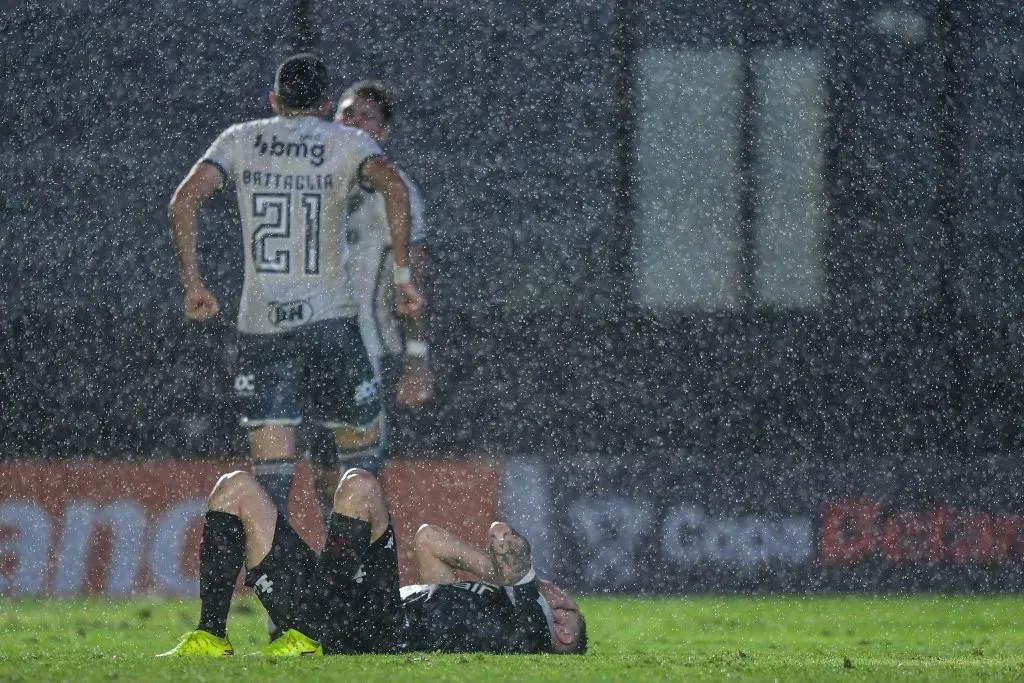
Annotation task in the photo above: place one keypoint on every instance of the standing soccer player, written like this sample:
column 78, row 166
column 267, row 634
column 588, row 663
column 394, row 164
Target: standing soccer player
column 397, row 348
column 300, row 353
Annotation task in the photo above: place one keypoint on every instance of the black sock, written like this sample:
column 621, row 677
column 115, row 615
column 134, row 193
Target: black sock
column 220, row 559
column 348, row 539
column 276, row 477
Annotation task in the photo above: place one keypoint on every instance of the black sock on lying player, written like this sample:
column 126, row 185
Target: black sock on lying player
column 347, row 542
column 348, row 539
column 220, row 559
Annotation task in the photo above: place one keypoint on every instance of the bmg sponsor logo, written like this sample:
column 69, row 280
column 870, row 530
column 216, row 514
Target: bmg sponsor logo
column 290, row 313
column 286, row 148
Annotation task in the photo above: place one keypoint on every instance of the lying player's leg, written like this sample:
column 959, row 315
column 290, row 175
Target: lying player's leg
column 359, row 571
column 226, row 542
column 243, row 527
column 358, row 518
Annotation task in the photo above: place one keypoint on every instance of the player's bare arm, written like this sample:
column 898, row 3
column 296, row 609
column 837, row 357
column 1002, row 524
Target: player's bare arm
column 510, row 553
column 379, row 174
column 198, row 186
column 440, row 555
column 417, row 385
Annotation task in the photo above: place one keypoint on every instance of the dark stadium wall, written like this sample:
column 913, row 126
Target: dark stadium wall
column 511, row 120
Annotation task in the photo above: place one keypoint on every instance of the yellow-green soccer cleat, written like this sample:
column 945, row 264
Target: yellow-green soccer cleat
column 200, row 644
column 292, row 643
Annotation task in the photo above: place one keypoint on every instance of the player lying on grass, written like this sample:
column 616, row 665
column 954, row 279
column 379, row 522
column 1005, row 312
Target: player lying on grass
column 347, row 600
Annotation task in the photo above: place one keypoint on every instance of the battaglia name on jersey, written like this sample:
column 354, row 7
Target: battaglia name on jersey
column 287, row 181
column 299, row 150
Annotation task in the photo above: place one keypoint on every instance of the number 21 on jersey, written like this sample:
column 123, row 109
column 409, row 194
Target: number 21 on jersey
column 273, row 243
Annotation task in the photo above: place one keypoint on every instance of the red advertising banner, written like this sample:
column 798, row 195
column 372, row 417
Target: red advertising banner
column 858, row 530
column 122, row 529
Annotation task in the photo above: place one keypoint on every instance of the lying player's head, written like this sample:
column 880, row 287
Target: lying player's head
column 368, row 106
column 570, row 636
column 301, row 86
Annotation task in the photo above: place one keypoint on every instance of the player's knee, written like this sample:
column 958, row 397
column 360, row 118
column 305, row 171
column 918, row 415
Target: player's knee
column 231, row 489
column 426, row 536
column 357, row 489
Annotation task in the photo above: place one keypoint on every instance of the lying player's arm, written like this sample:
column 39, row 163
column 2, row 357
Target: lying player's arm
column 198, row 186
column 440, row 555
column 416, row 385
column 380, row 175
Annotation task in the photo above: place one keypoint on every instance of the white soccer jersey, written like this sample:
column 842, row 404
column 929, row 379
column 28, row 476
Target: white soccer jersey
column 293, row 177
column 370, row 265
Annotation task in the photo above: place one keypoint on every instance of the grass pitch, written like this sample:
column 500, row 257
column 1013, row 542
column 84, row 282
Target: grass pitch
column 932, row 638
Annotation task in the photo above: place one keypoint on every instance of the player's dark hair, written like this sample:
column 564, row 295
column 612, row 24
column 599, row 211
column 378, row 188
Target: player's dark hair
column 301, row 81
column 375, row 91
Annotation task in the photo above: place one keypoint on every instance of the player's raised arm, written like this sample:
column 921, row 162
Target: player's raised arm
column 440, row 555
column 379, row 174
column 198, row 186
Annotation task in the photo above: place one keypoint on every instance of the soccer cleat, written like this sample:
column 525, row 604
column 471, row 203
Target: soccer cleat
column 200, row 644
column 292, row 643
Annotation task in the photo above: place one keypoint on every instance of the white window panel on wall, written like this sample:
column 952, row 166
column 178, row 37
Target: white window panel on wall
column 688, row 236
column 789, row 131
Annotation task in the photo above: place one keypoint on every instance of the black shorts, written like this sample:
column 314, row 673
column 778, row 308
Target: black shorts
column 319, row 371
column 373, row 619
column 289, row 570
column 370, row 617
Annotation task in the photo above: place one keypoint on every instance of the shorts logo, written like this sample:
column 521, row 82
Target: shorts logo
column 366, row 392
column 265, row 585
column 290, row 313
column 245, row 385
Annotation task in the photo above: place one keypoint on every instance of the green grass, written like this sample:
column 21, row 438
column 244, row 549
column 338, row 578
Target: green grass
column 930, row 638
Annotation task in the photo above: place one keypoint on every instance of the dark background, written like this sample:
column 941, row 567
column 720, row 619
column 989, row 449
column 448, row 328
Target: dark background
column 516, row 118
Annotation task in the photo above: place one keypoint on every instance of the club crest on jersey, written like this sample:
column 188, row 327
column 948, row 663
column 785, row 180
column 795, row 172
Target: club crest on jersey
column 290, row 313
column 300, row 150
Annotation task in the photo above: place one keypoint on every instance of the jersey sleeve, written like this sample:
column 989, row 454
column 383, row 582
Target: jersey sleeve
column 222, row 153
